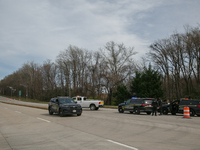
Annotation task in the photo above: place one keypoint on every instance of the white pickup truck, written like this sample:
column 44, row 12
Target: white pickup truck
column 88, row 103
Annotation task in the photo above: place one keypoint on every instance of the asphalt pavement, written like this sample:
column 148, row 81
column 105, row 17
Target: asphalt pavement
column 30, row 128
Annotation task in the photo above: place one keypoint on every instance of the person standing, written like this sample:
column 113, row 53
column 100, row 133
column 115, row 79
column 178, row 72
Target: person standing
column 155, row 105
column 160, row 106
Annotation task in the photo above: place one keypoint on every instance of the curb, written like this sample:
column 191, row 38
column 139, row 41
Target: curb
column 26, row 105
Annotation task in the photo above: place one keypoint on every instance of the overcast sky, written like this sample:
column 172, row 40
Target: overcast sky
column 36, row 30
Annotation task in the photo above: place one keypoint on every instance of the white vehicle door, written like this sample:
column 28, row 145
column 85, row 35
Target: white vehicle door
column 79, row 101
column 85, row 102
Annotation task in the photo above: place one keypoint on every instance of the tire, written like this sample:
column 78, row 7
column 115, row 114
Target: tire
column 92, row 107
column 131, row 112
column 137, row 111
column 120, row 110
column 97, row 108
column 50, row 111
column 148, row 113
column 165, row 111
column 78, row 114
column 192, row 112
column 60, row 113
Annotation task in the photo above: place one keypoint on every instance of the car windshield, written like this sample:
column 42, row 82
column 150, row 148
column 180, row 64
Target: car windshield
column 66, row 100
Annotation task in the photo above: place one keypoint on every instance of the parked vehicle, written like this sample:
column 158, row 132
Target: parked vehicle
column 88, row 103
column 64, row 106
column 136, row 105
column 178, row 105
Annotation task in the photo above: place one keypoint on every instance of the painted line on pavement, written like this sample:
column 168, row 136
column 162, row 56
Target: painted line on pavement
column 122, row 145
column 43, row 119
column 18, row 112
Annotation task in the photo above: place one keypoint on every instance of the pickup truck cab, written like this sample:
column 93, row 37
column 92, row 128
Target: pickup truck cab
column 88, row 103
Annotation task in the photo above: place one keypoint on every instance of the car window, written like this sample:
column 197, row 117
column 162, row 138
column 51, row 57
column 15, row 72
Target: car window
column 128, row 101
column 184, row 102
column 137, row 101
column 147, row 101
column 133, row 101
column 66, row 100
column 195, row 102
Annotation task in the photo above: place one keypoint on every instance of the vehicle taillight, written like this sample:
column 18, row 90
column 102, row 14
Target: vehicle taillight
column 198, row 106
column 99, row 102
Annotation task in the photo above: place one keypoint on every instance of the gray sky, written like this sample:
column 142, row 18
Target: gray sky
column 36, row 30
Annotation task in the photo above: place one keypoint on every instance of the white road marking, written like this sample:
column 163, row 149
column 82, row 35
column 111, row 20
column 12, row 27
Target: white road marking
column 122, row 144
column 43, row 119
column 18, row 112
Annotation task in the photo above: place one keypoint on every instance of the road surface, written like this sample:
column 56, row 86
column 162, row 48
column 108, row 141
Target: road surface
column 26, row 128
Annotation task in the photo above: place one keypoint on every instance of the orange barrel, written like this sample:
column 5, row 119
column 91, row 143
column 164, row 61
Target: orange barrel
column 186, row 112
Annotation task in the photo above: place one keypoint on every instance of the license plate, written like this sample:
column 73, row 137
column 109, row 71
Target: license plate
column 74, row 110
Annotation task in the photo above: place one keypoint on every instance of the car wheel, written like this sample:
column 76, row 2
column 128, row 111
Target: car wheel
column 148, row 113
column 50, row 111
column 78, row 114
column 137, row 111
column 60, row 113
column 131, row 112
column 192, row 112
column 92, row 107
column 120, row 110
column 165, row 111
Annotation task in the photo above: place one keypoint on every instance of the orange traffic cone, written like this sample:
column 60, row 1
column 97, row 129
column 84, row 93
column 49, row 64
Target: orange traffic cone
column 186, row 111
column 6, row 98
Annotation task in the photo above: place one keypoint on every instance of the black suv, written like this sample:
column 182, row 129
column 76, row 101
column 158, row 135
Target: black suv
column 137, row 105
column 64, row 106
column 178, row 105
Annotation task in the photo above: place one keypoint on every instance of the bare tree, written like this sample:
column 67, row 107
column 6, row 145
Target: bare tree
column 117, row 63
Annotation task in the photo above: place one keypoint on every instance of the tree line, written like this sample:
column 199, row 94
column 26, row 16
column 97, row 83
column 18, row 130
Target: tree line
column 77, row 71
column 178, row 60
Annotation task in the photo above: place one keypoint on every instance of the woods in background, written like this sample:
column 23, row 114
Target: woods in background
column 97, row 74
